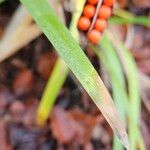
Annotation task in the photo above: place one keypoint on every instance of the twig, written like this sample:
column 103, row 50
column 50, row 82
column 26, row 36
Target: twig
column 96, row 14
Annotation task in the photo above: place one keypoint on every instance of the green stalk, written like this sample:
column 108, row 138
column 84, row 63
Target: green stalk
column 50, row 94
column 125, row 17
column 137, row 20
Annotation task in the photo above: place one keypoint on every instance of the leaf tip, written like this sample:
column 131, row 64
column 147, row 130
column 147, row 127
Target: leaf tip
column 124, row 139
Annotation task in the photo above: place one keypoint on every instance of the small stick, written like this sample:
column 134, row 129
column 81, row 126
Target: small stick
column 96, row 14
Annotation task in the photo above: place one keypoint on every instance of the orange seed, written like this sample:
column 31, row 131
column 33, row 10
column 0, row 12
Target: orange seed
column 109, row 2
column 104, row 12
column 94, row 36
column 84, row 23
column 93, row 2
column 100, row 24
column 89, row 11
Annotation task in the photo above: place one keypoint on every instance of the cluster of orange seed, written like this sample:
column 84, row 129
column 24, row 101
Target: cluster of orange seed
column 84, row 23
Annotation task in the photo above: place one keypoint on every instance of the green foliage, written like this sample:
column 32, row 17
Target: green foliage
column 133, row 106
column 1, row 1
column 76, row 60
column 105, row 51
column 125, row 17
column 55, row 82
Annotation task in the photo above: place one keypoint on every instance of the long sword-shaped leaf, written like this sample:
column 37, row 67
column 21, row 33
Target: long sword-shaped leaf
column 52, row 89
column 76, row 60
column 135, row 102
column 106, row 51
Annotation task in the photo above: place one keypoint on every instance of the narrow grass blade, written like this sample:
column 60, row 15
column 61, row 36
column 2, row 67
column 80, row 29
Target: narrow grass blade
column 137, row 20
column 125, row 17
column 76, row 60
column 134, row 98
column 51, row 91
column 105, row 52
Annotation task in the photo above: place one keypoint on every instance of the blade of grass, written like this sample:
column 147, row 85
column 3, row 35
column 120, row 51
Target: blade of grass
column 125, row 17
column 105, row 52
column 117, row 79
column 76, row 60
column 119, row 91
column 130, row 71
column 137, row 20
column 135, row 102
column 50, row 94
